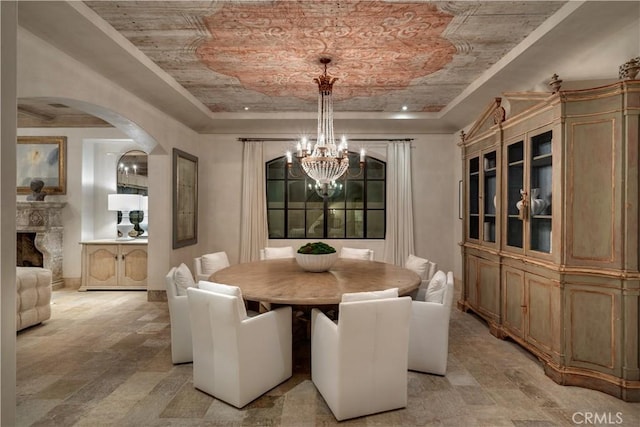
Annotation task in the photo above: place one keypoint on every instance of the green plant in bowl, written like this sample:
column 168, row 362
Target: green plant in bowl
column 316, row 257
column 316, row 248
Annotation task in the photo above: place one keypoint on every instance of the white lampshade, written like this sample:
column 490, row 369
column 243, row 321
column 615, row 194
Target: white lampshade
column 124, row 202
column 144, row 206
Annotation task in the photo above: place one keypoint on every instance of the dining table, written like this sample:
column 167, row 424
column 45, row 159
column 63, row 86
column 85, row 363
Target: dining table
column 283, row 282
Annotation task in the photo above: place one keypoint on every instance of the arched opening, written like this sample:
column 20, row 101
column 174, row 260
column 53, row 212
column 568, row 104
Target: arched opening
column 96, row 138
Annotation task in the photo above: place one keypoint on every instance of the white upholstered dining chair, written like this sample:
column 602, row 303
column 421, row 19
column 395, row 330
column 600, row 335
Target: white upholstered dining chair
column 237, row 358
column 204, row 266
column 359, row 365
column 354, row 253
column 177, row 281
column 429, row 332
column 423, row 268
column 276, row 253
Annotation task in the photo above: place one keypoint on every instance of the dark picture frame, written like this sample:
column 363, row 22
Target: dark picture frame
column 44, row 158
column 185, row 199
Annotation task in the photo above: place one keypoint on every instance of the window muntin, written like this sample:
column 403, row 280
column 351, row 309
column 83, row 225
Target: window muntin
column 355, row 210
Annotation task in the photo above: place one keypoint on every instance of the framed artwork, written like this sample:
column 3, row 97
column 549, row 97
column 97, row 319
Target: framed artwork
column 185, row 199
column 43, row 158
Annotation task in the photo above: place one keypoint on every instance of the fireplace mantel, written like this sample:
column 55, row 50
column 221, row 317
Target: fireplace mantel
column 44, row 219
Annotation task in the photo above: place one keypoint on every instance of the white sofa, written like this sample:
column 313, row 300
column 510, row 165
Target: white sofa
column 33, row 299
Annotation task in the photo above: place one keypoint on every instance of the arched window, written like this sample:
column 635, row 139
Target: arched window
column 354, row 208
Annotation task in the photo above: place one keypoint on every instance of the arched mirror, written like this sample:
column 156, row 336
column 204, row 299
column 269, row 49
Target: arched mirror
column 133, row 179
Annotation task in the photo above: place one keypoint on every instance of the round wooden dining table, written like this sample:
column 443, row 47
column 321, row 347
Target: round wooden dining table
column 283, row 281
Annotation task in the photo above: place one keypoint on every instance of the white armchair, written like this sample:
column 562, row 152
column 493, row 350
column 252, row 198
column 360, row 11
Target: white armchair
column 353, row 253
column 208, row 264
column 237, row 358
column 181, row 350
column 359, row 365
column 423, row 268
column 429, row 333
column 276, row 253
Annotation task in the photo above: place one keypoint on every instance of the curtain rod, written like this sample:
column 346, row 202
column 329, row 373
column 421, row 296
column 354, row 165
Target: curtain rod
column 314, row 139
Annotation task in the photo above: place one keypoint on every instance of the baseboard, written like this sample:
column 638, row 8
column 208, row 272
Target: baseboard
column 156, row 296
column 69, row 283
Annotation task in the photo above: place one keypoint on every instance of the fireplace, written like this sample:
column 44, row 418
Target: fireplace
column 39, row 234
column 27, row 254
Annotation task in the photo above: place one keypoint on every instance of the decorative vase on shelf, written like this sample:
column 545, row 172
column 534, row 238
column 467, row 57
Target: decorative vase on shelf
column 537, row 205
column 629, row 70
column 520, row 205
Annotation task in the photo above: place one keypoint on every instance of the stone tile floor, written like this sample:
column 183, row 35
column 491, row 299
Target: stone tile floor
column 103, row 359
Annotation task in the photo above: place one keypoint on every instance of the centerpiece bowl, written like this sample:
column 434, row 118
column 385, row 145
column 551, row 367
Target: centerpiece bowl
column 316, row 257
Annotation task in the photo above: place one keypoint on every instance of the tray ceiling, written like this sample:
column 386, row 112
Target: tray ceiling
column 263, row 55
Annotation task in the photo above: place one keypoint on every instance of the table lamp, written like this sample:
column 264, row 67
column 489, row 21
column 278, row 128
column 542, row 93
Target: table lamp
column 124, row 203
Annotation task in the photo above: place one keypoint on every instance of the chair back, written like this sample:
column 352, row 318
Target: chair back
column 172, row 288
column 277, row 253
column 433, row 267
column 374, row 331
column 237, row 359
column 429, row 332
column 181, row 345
column 373, row 341
column 205, row 265
column 447, row 297
column 354, row 253
column 214, row 319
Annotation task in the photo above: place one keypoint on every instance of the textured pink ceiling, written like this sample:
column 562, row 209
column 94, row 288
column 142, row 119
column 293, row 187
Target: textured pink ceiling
column 375, row 47
column 264, row 55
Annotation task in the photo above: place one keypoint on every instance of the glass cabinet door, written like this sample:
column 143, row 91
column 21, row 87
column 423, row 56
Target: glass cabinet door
column 515, row 187
column 528, row 193
column 489, row 200
column 473, row 211
column 482, row 197
column 540, row 193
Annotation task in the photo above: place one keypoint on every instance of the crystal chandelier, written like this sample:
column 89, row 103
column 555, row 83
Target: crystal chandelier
column 327, row 190
column 327, row 161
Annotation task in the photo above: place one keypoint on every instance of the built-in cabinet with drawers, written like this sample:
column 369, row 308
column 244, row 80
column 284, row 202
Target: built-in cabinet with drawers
column 114, row 264
column 551, row 245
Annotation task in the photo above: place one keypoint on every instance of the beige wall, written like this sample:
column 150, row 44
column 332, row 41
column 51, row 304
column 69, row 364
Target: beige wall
column 91, row 155
column 8, row 106
column 434, row 174
column 46, row 72
column 220, row 162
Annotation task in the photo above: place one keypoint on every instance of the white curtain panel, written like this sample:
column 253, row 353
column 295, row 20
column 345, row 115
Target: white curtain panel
column 254, row 232
column 399, row 240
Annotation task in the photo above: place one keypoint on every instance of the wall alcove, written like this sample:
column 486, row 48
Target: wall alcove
column 133, row 178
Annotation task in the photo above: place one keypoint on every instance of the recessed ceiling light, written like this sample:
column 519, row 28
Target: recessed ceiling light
column 246, row 108
column 404, row 108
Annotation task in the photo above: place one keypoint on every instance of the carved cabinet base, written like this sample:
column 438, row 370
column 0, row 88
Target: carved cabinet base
column 112, row 264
